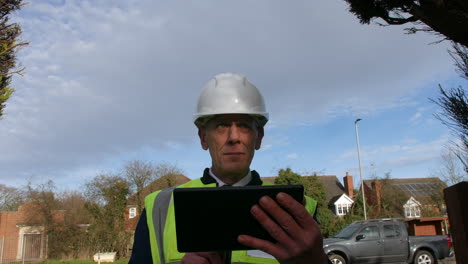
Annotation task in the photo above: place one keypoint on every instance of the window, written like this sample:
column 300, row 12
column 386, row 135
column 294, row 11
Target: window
column 412, row 211
column 391, row 231
column 342, row 209
column 370, row 233
column 132, row 212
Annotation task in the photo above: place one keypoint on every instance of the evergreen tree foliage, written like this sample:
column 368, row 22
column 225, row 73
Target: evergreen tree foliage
column 454, row 115
column 357, row 209
column 326, row 219
column 448, row 18
column 9, row 45
column 315, row 189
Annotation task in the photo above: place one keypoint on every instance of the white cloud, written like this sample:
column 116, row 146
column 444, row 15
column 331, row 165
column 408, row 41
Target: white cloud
column 105, row 78
column 292, row 156
column 415, row 117
column 408, row 152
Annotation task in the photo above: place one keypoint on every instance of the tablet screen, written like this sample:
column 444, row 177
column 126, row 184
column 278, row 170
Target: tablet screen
column 211, row 219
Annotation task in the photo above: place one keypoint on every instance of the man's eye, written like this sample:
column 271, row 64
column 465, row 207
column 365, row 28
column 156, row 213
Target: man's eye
column 222, row 125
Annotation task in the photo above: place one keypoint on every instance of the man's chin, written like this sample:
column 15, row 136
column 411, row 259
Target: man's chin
column 236, row 170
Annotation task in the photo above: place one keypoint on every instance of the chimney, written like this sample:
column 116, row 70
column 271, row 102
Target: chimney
column 348, row 185
column 377, row 187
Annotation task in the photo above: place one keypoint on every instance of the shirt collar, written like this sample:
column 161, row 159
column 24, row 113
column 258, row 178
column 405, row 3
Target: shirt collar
column 243, row 182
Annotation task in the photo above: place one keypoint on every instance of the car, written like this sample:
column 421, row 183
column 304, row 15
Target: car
column 384, row 241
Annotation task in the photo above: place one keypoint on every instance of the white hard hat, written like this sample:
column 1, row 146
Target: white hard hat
column 230, row 93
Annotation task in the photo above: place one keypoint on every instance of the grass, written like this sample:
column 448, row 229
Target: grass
column 76, row 261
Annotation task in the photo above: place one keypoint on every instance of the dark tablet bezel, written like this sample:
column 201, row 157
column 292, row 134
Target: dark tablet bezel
column 211, row 219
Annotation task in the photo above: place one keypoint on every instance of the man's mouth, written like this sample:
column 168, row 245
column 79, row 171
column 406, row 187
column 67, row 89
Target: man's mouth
column 233, row 153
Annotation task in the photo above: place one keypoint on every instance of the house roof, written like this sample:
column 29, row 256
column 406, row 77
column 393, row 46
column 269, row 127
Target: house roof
column 419, row 188
column 164, row 182
column 342, row 199
column 333, row 187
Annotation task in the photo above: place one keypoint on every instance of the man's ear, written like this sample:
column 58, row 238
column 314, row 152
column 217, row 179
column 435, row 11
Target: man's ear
column 260, row 135
column 202, row 136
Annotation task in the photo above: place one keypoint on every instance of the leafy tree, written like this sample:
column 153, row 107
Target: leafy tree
column 445, row 17
column 434, row 204
column 69, row 239
column 9, row 45
column 287, row 176
column 357, row 208
column 74, row 204
column 44, row 203
column 341, row 222
column 42, row 209
column 312, row 186
column 391, row 201
column 330, row 224
column 315, row 189
column 107, row 197
column 326, row 219
column 454, row 115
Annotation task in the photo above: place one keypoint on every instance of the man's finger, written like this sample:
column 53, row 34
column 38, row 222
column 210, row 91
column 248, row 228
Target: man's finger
column 296, row 209
column 280, row 216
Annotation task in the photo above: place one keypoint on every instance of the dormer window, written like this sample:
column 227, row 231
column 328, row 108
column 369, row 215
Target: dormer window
column 343, row 205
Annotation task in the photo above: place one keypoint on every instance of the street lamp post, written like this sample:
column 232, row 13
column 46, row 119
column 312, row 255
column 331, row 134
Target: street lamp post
column 360, row 169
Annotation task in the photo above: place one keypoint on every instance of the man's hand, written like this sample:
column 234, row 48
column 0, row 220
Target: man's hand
column 204, row 258
column 297, row 234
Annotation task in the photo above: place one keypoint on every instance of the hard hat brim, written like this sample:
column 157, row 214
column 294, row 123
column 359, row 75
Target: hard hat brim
column 201, row 120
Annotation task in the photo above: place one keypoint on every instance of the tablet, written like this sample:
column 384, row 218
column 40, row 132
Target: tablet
column 211, row 219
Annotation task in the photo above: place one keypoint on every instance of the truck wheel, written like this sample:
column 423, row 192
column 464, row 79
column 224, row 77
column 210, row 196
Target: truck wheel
column 424, row 257
column 336, row 259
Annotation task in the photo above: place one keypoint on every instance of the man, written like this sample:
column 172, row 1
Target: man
column 230, row 117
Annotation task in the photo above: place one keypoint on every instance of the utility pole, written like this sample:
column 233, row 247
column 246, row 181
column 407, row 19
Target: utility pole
column 360, row 169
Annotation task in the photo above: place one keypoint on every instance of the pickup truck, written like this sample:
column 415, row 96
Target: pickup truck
column 381, row 241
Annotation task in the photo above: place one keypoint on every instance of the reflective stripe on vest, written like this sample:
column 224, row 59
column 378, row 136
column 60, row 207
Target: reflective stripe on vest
column 157, row 224
column 161, row 204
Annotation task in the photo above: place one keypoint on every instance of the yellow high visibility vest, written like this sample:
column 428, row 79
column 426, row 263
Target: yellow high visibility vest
column 161, row 224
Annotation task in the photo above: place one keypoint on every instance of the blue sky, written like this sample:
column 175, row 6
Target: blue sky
column 111, row 81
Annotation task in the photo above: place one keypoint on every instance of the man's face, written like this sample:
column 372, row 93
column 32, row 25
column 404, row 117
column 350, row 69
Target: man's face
column 232, row 140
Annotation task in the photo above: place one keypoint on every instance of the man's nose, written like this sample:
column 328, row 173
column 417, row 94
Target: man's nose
column 234, row 134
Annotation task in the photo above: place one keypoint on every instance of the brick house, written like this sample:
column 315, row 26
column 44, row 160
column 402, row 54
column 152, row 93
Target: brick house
column 21, row 237
column 420, row 193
